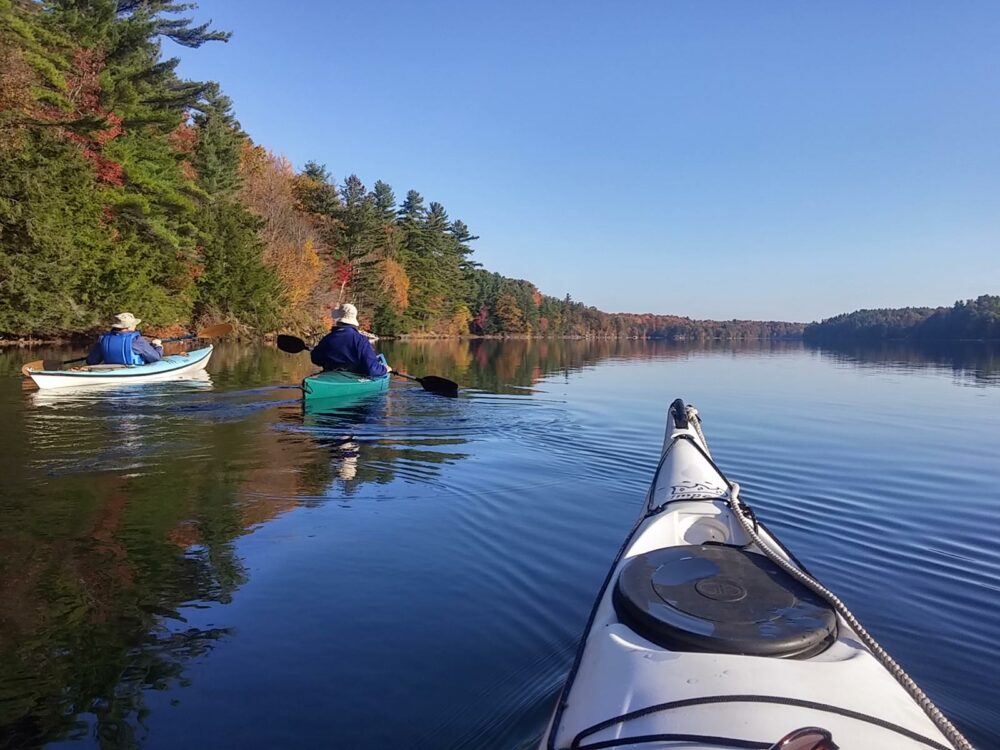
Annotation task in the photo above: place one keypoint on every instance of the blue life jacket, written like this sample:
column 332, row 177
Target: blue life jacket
column 116, row 349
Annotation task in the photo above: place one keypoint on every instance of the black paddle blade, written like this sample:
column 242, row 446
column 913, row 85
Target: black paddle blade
column 440, row 386
column 291, row 344
column 54, row 364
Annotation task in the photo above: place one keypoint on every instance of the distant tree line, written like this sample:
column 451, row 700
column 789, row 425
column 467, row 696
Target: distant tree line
column 972, row 319
column 501, row 306
column 124, row 186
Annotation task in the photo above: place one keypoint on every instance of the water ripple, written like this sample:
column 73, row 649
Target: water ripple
column 439, row 557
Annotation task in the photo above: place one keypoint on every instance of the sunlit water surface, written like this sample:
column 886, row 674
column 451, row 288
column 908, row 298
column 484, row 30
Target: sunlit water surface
column 201, row 564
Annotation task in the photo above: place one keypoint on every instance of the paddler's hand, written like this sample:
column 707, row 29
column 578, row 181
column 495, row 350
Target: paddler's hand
column 388, row 369
column 157, row 343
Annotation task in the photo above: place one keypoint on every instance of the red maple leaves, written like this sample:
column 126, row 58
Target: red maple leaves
column 83, row 89
column 342, row 274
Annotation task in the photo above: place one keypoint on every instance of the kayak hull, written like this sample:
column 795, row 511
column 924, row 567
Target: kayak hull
column 625, row 683
column 337, row 384
column 171, row 367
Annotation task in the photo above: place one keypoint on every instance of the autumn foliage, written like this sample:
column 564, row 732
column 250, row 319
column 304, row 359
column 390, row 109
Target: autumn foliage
column 292, row 245
column 124, row 186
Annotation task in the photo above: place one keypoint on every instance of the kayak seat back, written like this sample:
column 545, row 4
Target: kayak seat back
column 722, row 599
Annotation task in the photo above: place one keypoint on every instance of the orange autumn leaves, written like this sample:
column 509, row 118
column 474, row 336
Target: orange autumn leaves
column 292, row 244
column 300, row 245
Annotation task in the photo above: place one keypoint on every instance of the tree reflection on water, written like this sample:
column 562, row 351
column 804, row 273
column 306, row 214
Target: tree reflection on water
column 123, row 512
column 972, row 362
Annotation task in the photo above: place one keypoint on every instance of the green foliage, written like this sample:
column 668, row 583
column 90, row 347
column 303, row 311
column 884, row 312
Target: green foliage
column 973, row 319
column 409, row 270
column 434, row 263
column 315, row 191
column 127, row 187
column 385, row 203
column 217, row 155
column 509, row 315
column 869, row 325
column 148, row 265
column 236, row 283
column 52, row 239
column 98, row 214
column 46, row 69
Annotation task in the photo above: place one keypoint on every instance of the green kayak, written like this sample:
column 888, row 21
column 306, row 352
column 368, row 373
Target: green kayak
column 339, row 383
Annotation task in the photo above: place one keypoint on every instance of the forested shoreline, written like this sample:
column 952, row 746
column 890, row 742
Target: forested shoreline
column 974, row 319
column 123, row 186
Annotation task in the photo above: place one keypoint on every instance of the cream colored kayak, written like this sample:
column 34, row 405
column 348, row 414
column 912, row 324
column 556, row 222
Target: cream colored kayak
column 171, row 367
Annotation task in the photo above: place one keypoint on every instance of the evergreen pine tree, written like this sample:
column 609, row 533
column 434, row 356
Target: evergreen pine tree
column 316, row 192
column 217, row 154
column 385, row 202
column 235, row 282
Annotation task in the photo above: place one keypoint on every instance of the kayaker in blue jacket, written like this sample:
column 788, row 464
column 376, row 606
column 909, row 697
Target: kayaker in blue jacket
column 346, row 348
column 123, row 345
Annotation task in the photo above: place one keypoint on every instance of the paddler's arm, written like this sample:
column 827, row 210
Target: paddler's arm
column 318, row 355
column 94, row 356
column 373, row 365
column 142, row 347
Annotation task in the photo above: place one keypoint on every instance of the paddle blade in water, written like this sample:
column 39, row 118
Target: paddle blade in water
column 291, row 344
column 441, row 386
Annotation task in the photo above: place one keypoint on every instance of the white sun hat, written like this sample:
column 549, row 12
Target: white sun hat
column 125, row 320
column 345, row 313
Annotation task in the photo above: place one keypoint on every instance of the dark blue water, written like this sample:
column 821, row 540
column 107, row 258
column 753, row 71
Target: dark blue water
column 203, row 564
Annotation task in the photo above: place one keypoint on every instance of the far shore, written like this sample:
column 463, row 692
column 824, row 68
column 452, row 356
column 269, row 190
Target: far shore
column 82, row 339
column 85, row 339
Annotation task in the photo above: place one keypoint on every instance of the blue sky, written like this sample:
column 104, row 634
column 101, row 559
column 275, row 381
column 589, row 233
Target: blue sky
column 778, row 160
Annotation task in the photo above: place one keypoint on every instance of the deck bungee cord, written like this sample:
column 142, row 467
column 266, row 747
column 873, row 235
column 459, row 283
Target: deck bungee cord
column 731, row 741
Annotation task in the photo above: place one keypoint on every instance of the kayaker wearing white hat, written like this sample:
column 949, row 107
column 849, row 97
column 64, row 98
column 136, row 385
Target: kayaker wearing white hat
column 347, row 348
column 123, row 345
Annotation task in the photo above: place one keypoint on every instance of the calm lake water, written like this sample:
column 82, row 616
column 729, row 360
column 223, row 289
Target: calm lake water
column 202, row 565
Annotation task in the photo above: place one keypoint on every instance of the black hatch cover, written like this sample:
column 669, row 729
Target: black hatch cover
column 718, row 598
